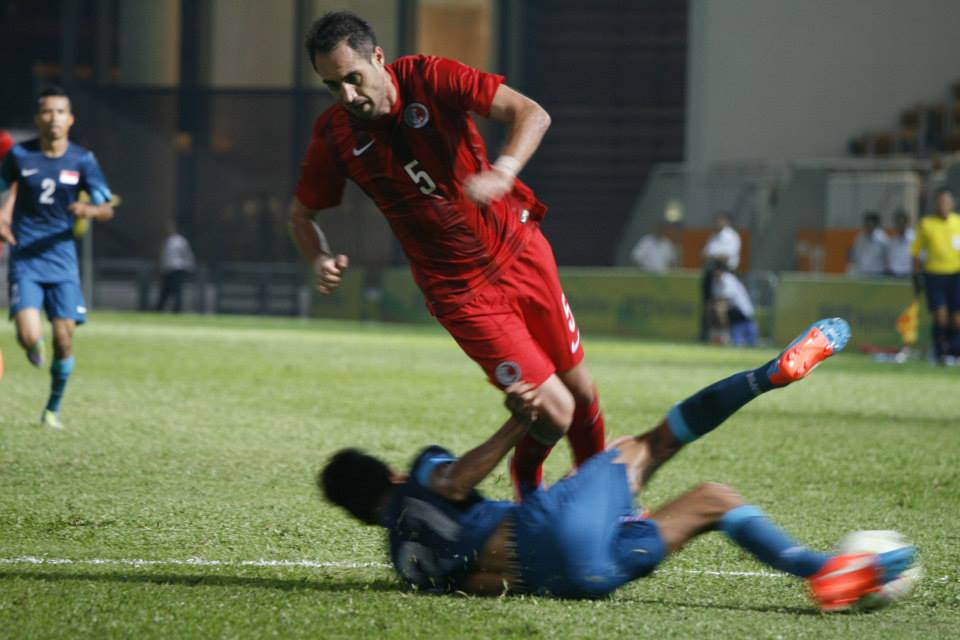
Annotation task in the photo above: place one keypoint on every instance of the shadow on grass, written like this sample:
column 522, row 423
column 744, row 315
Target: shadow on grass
column 207, row 581
column 688, row 604
column 340, row 586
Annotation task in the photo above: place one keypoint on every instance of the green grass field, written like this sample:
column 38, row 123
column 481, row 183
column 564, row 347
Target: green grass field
column 192, row 442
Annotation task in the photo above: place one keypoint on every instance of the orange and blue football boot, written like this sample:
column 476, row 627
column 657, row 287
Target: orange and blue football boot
column 820, row 341
column 845, row 579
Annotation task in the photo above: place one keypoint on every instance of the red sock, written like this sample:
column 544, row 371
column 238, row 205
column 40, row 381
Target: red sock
column 586, row 434
column 528, row 457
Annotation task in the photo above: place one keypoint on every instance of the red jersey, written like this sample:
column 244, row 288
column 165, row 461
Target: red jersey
column 412, row 162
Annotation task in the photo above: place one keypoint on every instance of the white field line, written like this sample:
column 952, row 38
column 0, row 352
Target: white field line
column 199, row 562
column 332, row 564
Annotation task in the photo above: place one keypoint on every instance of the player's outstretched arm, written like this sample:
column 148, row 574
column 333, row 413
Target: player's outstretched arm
column 312, row 244
column 528, row 123
column 456, row 480
column 97, row 212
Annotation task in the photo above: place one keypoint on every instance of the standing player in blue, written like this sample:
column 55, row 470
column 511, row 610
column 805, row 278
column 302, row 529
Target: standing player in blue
column 48, row 174
column 582, row 537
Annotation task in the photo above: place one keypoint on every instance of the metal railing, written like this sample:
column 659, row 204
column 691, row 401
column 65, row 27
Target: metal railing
column 231, row 287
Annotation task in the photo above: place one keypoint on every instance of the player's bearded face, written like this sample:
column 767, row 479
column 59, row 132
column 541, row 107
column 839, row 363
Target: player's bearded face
column 54, row 117
column 359, row 81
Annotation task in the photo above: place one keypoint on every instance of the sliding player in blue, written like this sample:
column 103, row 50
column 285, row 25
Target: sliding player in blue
column 46, row 175
column 582, row 537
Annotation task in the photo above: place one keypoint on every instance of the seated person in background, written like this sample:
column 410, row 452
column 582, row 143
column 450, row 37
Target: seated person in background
column 655, row 252
column 722, row 250
column 583, row 537
column 731, row 311
column 869, row 251
column 899, row 262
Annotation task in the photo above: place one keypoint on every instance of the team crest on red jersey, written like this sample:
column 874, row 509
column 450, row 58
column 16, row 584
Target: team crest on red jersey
column 507, row 372
column 416, row 115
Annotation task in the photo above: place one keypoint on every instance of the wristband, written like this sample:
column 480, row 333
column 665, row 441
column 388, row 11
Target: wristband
column 508, row 165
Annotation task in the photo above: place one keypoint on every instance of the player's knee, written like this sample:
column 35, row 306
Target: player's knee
column 718, row 498
column 27, row 337
column 583, row 397
column 579, row 383
column 557, row 409
column 62, row 344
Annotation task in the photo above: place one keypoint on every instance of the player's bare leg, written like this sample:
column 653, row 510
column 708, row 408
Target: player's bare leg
column 30, row 334
column 550, row 408
column 63, row 330
column 835, row 581
column 646, row 453
column 695, row 512
column 586, row 434
column 60, row 370
column 555, row 405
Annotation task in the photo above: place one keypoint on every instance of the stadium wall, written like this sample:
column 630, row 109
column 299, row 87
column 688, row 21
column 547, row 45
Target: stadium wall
column 774, row 80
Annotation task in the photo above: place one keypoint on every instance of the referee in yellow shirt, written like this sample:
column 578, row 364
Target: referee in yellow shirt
column 938, row 235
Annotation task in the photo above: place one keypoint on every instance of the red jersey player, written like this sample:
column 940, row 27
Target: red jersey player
column 403, row 132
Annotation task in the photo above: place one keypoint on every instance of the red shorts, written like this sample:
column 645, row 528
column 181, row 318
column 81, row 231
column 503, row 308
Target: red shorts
column 521, row 326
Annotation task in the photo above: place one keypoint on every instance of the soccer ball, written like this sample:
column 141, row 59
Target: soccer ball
column 880, row 542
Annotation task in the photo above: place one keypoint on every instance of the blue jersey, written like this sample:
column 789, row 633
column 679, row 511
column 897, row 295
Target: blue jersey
column 434, row 541
column 579, row 539
column 43, row 226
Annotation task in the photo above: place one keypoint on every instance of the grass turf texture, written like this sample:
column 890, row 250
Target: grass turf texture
column 195, row 437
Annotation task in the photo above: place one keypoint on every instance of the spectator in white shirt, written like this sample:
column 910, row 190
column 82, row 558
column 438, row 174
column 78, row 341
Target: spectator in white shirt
column 176, row 264
column 868, row 256
column 899, row 263
column 655, row 252
column 722, row 251
column 723, row 247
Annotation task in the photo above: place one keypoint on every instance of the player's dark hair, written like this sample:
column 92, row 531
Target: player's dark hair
column 333, row 28
column 52, row 91
column 355, row 481
column 943, row 190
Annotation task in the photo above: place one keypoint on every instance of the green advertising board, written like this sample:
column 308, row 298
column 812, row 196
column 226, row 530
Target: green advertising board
column 871, row 307
column 659, row 306
column 625, row 302
column 346, row 303
column 402, row 300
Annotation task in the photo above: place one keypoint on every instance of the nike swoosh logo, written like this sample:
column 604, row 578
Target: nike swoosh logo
column 358, row 150
column 851, row 568
column 28, row 172
column 576, row 343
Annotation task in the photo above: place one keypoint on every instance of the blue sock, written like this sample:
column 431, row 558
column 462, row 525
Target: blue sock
column 59, row 374
column 748, row 527
column 705, row 410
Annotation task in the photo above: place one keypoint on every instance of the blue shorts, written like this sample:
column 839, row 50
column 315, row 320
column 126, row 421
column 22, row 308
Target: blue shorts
column 59, row 299
column 581, row 538
column 943, row 290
